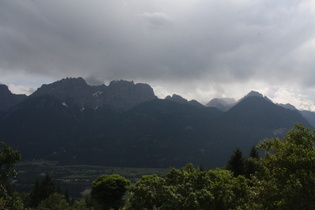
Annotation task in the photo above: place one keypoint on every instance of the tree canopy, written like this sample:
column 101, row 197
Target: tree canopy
column 287, row 178
column 190, row 188
column 284, row 178
column 8, row 158
column 108, row 191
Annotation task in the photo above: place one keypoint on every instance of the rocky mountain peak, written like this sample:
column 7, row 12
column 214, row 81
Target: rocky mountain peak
column 73, row 91
column 121, row 83
column 67, row 84
column 120, row 95
column 254, row 93
column 123, row 88
column 123, row 95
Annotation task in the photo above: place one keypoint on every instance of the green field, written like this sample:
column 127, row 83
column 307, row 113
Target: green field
column 77, row 179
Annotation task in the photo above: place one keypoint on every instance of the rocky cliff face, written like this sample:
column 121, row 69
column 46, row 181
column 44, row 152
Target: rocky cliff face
column 8, row 99
column 119, row 95
column 122, row 95
column 71, row 91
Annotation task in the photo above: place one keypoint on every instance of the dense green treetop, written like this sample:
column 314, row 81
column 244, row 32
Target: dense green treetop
column 108, row 191
column 284, row 178
column 287, row 178
column 190, row 188
column 8, row 158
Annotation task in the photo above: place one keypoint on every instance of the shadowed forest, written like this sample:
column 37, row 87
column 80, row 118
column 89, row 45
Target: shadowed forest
column 283, row 177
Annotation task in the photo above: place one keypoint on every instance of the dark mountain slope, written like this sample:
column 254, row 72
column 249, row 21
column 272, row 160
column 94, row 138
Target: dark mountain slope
column 37, row 125
column 309, row 116
column 44, row 127
column 264, row 114
column 255, row 118
column 8, row 99
column 154, row 133
column 165, row 133
column 159, row 133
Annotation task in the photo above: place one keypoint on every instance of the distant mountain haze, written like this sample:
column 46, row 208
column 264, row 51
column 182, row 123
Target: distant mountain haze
column 309, row 116
column 223, row 104
column 125, row 124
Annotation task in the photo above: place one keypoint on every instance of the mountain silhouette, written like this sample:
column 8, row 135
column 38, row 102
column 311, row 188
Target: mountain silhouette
column 124, row 124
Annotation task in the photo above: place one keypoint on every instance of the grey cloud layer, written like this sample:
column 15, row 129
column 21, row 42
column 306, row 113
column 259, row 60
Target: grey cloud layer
column 169, row 41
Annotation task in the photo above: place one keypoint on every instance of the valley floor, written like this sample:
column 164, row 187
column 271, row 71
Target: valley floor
column 76, row 179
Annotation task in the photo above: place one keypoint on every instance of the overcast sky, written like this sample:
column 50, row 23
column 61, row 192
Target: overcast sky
column 199, row 49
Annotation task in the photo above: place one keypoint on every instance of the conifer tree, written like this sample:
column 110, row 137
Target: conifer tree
column 251, row 163
column 67, row 198
column 42, row 190
column 236, row 163
column 254, row 153
column 34, row 196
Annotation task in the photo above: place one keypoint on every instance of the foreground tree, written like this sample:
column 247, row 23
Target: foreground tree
column 108, row 191
column 287, row 178
column 190, row 188
column 8, row 158
column 57, row 201
column 148, row 192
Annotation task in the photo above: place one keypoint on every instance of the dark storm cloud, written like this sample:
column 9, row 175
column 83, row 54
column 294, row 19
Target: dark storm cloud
column 195, row 42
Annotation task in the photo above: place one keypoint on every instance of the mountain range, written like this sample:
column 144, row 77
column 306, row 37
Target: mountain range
column 125, row 124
